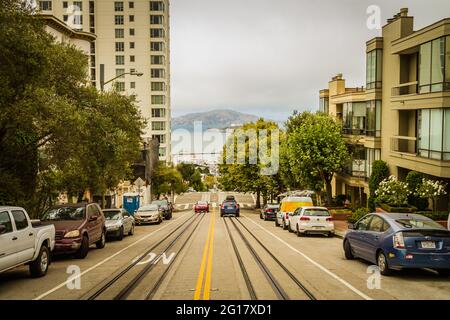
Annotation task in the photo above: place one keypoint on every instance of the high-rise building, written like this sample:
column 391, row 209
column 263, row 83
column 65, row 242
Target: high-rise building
column 402, row 116
column 133, row 44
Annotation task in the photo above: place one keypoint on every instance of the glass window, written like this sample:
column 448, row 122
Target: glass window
column 132, row 45
column 324, row 105
column 120, row 60
column 377, row 224
column 156, row 6
column 158, row 112
column 20, row 219
column 160, row 137
column 132, row 85
column 158, row 99
column 433, row 133
column 131, row 18
column 424, row 132
column 120, row 72
column 5, row 221
column 437, row 64
column 120, row 46
column 118, row 6
column 363, row 224
column 78, row 5
column 119, row 33
column 131, row 5
column 118, row 20
column 436, row 133
column 157, row 59
column 158, row 125
column 45, row 5
column 65, row 4
column 157, row 73
column 374, row 69
column 447, row 63
column 156, row 19
column 156, row 46
column 446, row 134
column 120, row 86
column 162, row 152
column 157, row 33
column 132, row 32
column 132, row 59
column 158, row 86
column 434, row 64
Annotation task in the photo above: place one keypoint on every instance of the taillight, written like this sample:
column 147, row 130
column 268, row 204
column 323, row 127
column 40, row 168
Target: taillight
column 398, row 240
column 269, row 210
column 237, row 205
column 287, row 216
column 330, row 219
column 304, row 219
column 223, row 206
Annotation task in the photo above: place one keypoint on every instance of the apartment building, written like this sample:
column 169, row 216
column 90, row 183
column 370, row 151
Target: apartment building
column 402, row 116
column 131, row 53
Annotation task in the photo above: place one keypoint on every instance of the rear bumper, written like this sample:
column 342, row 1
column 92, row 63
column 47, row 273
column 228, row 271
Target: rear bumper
column 419, row 260
column 146, row 220
column 229, row 211
column 197, row 210
column 327, row 228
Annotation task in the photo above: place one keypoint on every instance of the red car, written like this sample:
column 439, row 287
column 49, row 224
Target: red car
column 201, row 206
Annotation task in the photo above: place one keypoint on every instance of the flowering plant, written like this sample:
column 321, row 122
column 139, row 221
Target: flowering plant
column 393, row 192
column 431, row 189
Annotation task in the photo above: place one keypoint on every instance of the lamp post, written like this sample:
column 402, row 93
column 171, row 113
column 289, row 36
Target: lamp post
column 102, row 73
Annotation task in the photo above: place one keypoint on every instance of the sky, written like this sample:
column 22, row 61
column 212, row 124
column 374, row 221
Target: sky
column 270, row 57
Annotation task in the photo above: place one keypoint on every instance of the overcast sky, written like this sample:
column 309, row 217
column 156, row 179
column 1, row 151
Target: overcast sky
column 269, row 57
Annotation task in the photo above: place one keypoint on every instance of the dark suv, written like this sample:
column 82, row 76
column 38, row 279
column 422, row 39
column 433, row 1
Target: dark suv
column 165, row 207
column 78, row 226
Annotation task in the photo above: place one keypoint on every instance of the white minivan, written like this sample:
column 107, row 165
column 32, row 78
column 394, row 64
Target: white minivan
column 312, row 220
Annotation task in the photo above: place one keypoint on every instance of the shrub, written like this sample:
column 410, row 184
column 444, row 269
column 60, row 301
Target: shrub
column 380, row 172
column 340, row 198
column 436, row 216
column 393, row 192
column 371, row 204
column 404, row 209
column 414, row 180
column 358, row 214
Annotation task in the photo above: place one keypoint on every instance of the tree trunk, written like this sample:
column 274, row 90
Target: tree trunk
column 258, row 200
column 80, row 197
column 329, row 192
column 264, row 198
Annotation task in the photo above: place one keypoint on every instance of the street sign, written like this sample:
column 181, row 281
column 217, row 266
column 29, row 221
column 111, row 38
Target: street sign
column 139, row 183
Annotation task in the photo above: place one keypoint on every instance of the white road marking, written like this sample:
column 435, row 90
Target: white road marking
column 333, row 275
column 104, row 261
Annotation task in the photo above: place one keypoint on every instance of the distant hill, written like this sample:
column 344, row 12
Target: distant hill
column 215, row 119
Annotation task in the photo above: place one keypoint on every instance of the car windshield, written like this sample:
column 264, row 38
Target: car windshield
column 229, row 203
column 202, row 203
column 316, row 213
column 64, row 214
column 112, row 215
column 152, row 207
column 273, row 206
column 418, row 224
column 160, row 202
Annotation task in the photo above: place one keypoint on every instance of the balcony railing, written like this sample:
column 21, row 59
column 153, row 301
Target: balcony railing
column 405, row 88
column 403, row 144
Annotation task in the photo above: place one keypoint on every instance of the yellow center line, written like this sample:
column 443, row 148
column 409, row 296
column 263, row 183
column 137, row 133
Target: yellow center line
column 207, row 291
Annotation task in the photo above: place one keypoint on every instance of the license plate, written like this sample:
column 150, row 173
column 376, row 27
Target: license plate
column 317, row 227
column 428, row 244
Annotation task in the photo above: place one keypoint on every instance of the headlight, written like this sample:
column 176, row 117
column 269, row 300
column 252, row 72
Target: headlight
column 72, row 234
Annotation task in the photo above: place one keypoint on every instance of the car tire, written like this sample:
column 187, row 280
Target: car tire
column 284, row 225
column 297, row 231
column 237, row 215
column 276, row 222
column 39, row 267
column 444, row 273
column 169, row 216
column 330, row 234
column 121, row 233
column 290, row 229
column 131, row 232
column 382, row 263
column 100, row 244
column 348, row 250
column 84, row 248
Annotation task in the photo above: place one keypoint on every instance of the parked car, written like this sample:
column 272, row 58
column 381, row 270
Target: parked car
column 288, row 206
column 269, row 211
column 23, row 241
column 398, row 241
column 311, row 220
column 118, row 223
column 201, row 206
column 78, row 226
column 149, row 214
column 230, row 198
column 166, row 207
column 229, row 207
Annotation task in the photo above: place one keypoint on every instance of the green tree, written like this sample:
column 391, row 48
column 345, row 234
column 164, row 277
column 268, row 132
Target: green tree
column 167, row 180
column 380, row 172
column 414, row 180
column 316, row 150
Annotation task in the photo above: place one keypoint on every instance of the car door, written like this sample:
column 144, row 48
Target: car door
column 7, row 257
column 92, row 222
column 373, row 235
column 294, row 218
column 358, row 237
column 127, row 222
column 23, row 237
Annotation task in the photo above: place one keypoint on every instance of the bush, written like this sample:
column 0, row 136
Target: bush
column 402, row 209
column 340, row 198
column 393, row 192
column 436, row 216
column 358, row 214
column 414, row 181
column 380, row 172
column 371, row 204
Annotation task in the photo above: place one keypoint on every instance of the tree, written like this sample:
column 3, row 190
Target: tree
column 380, row 172
column 167, row 180
column 316, row 150
column 414, row 180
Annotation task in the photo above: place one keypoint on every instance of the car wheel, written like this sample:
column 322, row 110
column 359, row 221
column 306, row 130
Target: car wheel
column 348, row 250
column 120, row 236
column 237, row 215
column 330, row 234
column 284, row 225
column 290, row 229
column 383, row 264
column 100, row 244
column 445, row 273
column 276, row 222
column 260, row 216
column 131, row 230
column 39, row 267
column 84, row 248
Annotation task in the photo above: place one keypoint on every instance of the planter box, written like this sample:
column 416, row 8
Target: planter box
column 388, row 208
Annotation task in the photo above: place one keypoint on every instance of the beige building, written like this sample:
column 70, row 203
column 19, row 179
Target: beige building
column 133, row 45
column 402, row 116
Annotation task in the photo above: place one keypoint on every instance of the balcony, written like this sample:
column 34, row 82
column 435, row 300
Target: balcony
column 404, row 144
column 405, row 89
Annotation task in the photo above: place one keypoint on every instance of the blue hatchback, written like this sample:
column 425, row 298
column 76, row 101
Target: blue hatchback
column 398, row 241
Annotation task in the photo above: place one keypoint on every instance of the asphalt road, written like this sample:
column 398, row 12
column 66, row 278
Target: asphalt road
column 204, row 256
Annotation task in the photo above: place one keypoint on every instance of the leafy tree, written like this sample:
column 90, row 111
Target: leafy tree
column 167, row 180
column 414, row 181
column 316, row 151
column 380, row 172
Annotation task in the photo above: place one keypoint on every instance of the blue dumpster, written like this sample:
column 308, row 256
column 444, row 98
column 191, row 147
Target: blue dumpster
column 131, row 202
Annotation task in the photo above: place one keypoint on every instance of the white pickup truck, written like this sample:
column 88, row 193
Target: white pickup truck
column 23, row 241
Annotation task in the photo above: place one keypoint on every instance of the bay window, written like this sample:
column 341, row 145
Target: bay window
column 434, row 133
column 434, row 65
column 374, row 69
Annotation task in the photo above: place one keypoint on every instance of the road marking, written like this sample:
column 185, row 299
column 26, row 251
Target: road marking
column 206, row 292
column 205, row 260
column 333, row 275
column 105, row 260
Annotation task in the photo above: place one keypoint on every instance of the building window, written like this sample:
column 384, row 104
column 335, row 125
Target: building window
column 159, row 99
column 157, row 59
column 131, row 5
column 156, row 6
column 132, row 85
column 132, row 32
column 119, row 33
column 373, row 69
column 160, row 137
column 158, row 86
column 156, row 46
column 78, row 5
column 157, row 33
column 434, row 65
column 373, row 118
column 158, row 125
column 132, row 45
column 434, row 133
column 323, row 107
column 91, row 7
column 120, row 86
column 354, row 118
column 120, row 60
column 118, row 20
column 162, row 152
column 65, row 5
column 131, row 18
column 132, row 59
column 371, row 156
column 157, row 73
column 120, row 46
column 120, row 72
column 65, row 18
column 45, row 5
column 158, row 112
column 78, row 20
column 156, row 19
column 118, row 6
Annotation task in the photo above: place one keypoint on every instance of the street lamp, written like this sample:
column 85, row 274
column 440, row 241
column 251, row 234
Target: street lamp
column 103, row 83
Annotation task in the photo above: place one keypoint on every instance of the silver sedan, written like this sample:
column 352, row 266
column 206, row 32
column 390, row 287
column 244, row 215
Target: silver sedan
column 118, row 223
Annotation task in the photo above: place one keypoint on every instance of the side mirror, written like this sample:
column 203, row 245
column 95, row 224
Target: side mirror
column 93, row 218
column 2, row 229
column 351, row 226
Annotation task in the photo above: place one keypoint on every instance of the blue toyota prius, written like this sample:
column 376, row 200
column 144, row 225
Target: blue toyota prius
column 398, row 241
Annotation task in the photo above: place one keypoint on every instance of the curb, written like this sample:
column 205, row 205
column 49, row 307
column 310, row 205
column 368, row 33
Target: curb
column 339, row 234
